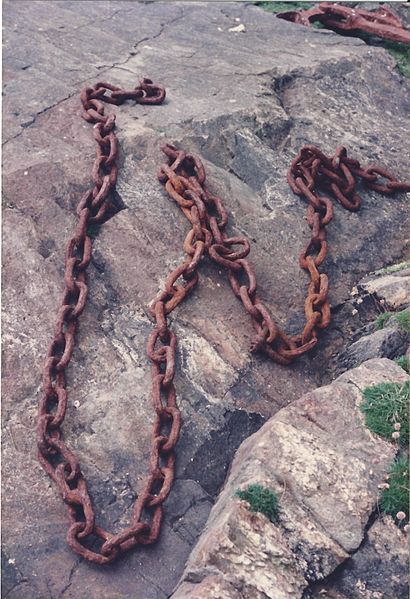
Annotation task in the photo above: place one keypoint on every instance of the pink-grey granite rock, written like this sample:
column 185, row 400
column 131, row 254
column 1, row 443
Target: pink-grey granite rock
column 326, row 468
column 246, row 101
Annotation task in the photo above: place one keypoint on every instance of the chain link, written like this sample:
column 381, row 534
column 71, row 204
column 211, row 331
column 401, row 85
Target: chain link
column 183, row 176
column 382, row 22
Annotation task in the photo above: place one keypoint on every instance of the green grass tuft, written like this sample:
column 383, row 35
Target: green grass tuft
column 382, row 320
column 401, row 54
column 403, row 318
column 396, row 497
column 261, row 500
column 403, row 362
column 386, row 405
column 393, row 268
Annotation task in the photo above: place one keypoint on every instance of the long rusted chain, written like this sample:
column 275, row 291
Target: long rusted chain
column 310, row 171
column 184, row 179
column 95, row 207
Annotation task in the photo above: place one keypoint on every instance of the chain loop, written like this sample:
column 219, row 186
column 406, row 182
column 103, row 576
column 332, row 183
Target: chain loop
column 95, row 207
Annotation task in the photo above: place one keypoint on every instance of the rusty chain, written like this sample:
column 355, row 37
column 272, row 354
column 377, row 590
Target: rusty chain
column 382, row 22
column 95, row 207
column 184, row 178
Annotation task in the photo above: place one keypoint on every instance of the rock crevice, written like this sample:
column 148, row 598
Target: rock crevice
column 326, row 467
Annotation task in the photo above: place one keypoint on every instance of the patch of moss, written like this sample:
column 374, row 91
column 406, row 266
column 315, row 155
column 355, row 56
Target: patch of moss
column 401, row 54
column 396, row 498
column 386, row 410
column 382, row 320
column 403, row 362
column 262, row 500
column 403, row 318
column 393, row 268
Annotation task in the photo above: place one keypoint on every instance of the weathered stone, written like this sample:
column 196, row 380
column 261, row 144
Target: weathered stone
column 376, row 571
column 389, row 342
column 245, row 101
column 325, row 466
column 392, row 288
column 248, row 552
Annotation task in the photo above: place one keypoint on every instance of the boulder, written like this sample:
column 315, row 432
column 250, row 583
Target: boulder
column 389, row 342
column 377, row 570
column 325, row 467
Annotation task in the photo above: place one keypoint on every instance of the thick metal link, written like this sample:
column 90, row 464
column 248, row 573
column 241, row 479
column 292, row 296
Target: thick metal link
column 382, row 22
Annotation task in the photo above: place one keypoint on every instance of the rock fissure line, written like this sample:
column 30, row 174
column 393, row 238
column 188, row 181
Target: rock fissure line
column 114, row 65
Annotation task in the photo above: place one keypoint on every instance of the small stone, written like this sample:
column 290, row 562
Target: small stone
column 238, row 28
column 354, row 312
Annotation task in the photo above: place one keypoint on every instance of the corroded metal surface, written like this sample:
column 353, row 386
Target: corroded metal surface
column 383, row 22
column 60, row 463
column 310, row 171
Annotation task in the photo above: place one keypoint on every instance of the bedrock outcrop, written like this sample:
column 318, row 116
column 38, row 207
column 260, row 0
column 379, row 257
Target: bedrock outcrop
column 245, row 101
column 326, row 467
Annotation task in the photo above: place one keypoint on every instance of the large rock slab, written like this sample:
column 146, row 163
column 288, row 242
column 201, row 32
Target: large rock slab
column 246, row 102
column 325, row 466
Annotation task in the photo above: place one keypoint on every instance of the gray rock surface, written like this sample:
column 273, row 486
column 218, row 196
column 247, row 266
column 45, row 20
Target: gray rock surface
column 323, row 463
column 389, row 342
column 392, row 288
column 244, row 101
column 385, row 290
column 378, row 570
